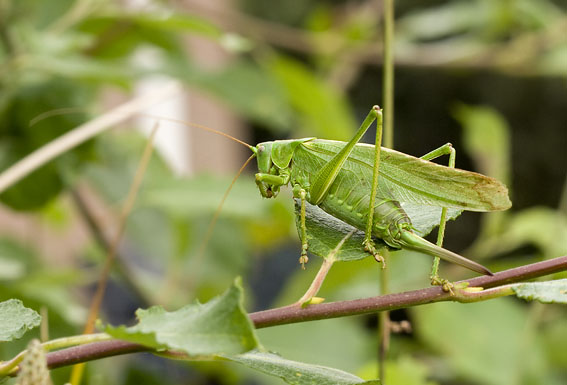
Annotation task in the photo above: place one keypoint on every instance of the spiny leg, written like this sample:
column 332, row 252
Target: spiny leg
column 368, row 242
column 303, row 259
column 446, row 149
column 328, row 173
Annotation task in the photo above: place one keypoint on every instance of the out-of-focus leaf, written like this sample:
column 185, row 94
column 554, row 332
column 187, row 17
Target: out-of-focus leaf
column 325, row 232
column 36, row 189
column 404, row 370
column 553, row 62
column 51, row 288
column 16, row 319
column 221, row 326
column 264, row 100
column 539, row 226
column 545, row 292
column 36, row 284
column 500, row 34
column 349, row 336
column 125, row 33
column 486, row 138
column 297, row 373
column 201, row 196
column 484, row 20
column 10, row 269
column 165, row 21
column 20, row 138
column 324, row 112
column 81, row 68
column 437, row 22
column 451, row 329
column 555, row 339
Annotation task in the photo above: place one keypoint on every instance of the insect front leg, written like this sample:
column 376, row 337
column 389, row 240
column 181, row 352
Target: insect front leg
column 446, row 149
column 269, row 184
column 299, row 192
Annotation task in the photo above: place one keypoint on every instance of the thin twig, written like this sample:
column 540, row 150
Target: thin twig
column 323, row 271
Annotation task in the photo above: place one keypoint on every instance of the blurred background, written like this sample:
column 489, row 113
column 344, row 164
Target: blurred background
column 489, row 76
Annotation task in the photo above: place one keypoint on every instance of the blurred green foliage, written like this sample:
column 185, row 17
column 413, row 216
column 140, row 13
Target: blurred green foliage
column 302, row 68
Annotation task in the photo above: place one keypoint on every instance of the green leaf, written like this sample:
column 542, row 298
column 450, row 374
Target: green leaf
column 544, row 292
column 296, row 373
column 221, row 326
column 15, row 319
column 489, row 334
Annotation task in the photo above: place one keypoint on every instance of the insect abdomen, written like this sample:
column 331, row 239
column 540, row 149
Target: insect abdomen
column 348, row 198
column 389, row 217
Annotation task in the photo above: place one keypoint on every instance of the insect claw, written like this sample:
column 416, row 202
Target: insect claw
column 303, row 260
column 445, row 284
column 371, row 248
column 380, row 259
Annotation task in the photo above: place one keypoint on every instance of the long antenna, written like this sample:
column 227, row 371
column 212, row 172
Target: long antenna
column 211, row 227
column 179, row 121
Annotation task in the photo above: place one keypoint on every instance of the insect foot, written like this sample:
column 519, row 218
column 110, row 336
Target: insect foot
column 445, row 284
column 303, row 260
column 371, row 248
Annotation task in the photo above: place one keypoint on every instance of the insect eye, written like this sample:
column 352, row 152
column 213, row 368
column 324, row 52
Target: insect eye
column 260, row 148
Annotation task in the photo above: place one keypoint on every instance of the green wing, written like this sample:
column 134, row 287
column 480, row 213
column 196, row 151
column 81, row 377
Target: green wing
column 416, row 181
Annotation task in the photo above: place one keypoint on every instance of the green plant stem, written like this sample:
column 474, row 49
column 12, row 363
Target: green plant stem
column 10, row 367
column 388, row 141
column 96, row 346
column 383, row 321
column 388, row 74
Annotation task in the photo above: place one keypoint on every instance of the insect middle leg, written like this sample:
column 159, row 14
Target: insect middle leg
column 303, row 259
column 328, row 173
column 446, row 149
column 368, row 243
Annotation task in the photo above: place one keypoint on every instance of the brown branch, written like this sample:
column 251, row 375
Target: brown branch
column 294, row 313
column 92, row 351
